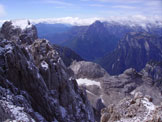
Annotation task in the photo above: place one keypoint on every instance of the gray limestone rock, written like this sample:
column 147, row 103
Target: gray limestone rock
column 37, row 74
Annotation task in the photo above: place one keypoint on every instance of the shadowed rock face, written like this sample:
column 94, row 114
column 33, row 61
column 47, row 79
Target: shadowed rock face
column 133, row 51
column 34, row 79
column 67, row 55
column 91, row 42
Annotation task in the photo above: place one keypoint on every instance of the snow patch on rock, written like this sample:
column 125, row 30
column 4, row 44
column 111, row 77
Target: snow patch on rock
column 150, row 107
column 44, row 65
column 90, row 93
column 87, row 82
column 147, row 47
column 102, row 99
column 16, row 111
column 8, row 47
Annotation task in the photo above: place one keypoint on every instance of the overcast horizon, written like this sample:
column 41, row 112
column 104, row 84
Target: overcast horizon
column 71, row 10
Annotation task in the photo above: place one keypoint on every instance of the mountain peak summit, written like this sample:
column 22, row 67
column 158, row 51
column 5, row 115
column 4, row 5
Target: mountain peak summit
column 23, row 24
column 97, row 23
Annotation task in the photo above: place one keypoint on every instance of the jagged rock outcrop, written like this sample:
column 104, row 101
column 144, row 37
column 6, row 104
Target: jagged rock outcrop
column 20, row 31
column 37, row 82
column 137, row 109
column 153, row 69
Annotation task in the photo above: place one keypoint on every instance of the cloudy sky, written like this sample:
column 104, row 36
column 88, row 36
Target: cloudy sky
column 37, row 9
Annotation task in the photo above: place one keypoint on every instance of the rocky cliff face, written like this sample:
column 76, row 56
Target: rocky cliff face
column 133, row 51
column 35, row 83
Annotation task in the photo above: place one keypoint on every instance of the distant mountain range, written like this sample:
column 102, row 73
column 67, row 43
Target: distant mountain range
column 100, row 42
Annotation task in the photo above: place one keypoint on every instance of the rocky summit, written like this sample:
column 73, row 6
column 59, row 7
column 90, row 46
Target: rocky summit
column 137, row 109
column 35, row 85
column 20, row 33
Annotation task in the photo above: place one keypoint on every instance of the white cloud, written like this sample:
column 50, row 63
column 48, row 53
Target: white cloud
column 120, row 1
column 84, row 0
column 97, row 5
column 124, row 7
column 58, row 2
column 66, row 20
column 135, row 19
column 2, row 10
column 154, row 3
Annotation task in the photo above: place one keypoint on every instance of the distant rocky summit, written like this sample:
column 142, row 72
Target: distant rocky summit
column 90, row 42
column 35, row 85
